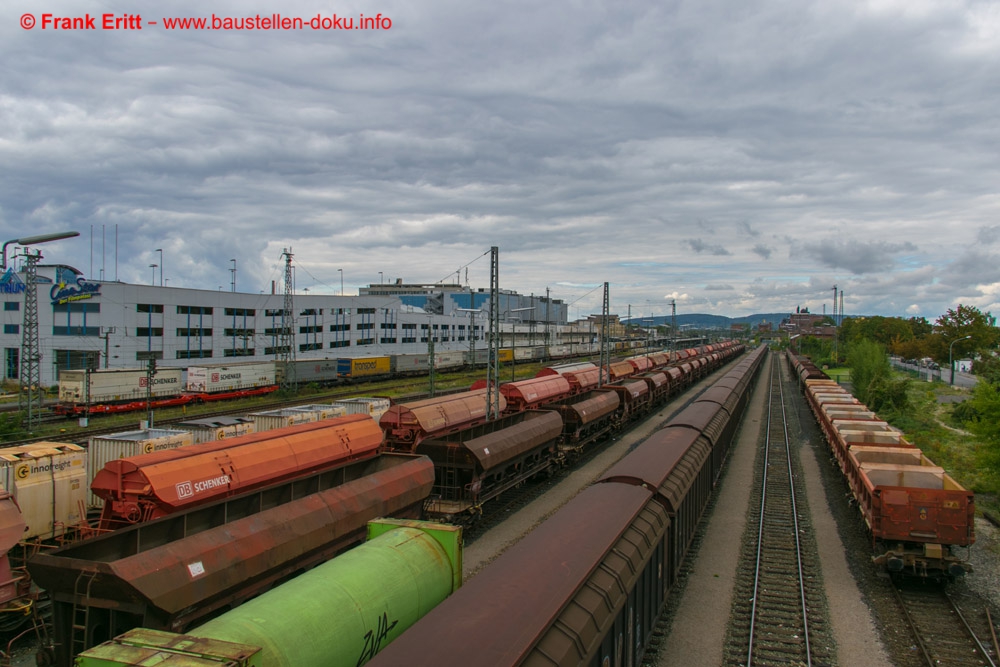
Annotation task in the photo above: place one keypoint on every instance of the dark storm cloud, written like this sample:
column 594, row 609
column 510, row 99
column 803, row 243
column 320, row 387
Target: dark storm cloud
column 700, row 246
column 858, row 257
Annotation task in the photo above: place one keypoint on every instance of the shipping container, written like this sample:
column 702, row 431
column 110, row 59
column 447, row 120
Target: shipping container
column 449, row 360
column 409, row 363
column 363, row 367
column 376, row 407
column 230, row 377
column 323, row 411
column 104, row 448
column 216, row 428
column 49, row 482
column 311, row 370
column 108, row 386
column 270, row 419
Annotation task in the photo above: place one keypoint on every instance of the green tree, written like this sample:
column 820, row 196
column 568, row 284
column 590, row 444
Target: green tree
column 869, row 366
column 985, row 405
column 958, row 323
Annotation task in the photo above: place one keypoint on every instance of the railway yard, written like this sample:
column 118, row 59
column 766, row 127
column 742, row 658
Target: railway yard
column 779, row 569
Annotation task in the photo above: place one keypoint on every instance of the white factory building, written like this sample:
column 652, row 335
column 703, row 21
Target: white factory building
column 86, row 323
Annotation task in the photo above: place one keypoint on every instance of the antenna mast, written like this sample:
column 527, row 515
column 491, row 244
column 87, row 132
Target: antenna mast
column 287, row 345
column 493, row 363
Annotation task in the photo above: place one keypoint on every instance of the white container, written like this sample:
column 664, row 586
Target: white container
column 376, row 407
column 230, row 377
column 211, row 429
column 108, row 386
column 312, row 370
column 328, row 411
column 271, row 419
column 448, row 360
column 105, row 448
column 49, row 481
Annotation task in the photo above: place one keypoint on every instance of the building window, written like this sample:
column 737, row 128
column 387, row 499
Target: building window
column 12, row 305
column 279, row 349
column 408, row 340
column 193, row 332
column 304, row 347
column 366, row 341
column 277, row 313
column 277, row 331
column 340, row 327
column 239, row 352
column 388, row 325
column 240, row 333
column 77, row 331
column 142, row 332
column 340, row 311
column 240, row 312
column 191, row 354
column 366, row 311
column 151, row 308
column 409, row 326
column 310, row 311
column 86, row 307
column 146, row 355
column 387, row 341
column 11, row 328
column 311, row 329
column 340, row 343
column 365, row 325
column 190, row 310
column 424, row 327
column 12, row 357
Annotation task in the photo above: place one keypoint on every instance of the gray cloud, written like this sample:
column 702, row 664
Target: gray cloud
column 762, row 250
column 700, row 246
column 858, row 257
column 718, row 288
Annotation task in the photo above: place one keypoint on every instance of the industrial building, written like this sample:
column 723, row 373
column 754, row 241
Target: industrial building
column 86, row 323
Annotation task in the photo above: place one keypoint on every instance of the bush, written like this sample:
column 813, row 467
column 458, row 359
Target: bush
column 963, row 413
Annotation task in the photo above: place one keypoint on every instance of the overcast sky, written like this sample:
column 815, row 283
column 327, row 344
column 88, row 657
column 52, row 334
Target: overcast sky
column 737, row 156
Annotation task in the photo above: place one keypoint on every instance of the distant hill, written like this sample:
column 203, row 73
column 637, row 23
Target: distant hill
column 706, row 321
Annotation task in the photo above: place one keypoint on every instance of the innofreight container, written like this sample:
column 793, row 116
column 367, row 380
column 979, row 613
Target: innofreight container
column 49, row 482
column 362, row 367
column 265, row 421
column 104, row 448
column 108, row 386
column 324, row 411
column 376, row 407
column 216, row 428
column 212, row 379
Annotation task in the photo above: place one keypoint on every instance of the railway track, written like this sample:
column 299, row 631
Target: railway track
column 944, row 634
column 779, row 614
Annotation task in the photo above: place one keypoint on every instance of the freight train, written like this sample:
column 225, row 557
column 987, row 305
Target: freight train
column 94, row 392
column 587, row 585
column 337, row 614
column 545, row 422
column 106, row 581
column 913, row 510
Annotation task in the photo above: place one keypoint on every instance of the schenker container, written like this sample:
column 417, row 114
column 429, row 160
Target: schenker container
column 109, row 386
column 231, row 377
column 104, row 448
column 49, row 482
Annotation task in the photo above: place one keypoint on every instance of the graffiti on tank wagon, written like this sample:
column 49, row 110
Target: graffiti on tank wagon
column 374, row 639
column 62, row 293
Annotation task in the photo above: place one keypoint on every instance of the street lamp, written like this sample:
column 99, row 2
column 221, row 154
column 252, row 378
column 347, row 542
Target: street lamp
column 341, row 282
column 160, row 250
column 951, row 364
column 35, row 240
column 152, row 280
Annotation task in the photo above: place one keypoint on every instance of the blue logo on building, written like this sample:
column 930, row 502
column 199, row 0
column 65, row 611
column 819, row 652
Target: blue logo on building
column 10, row 283
column 61, row 293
